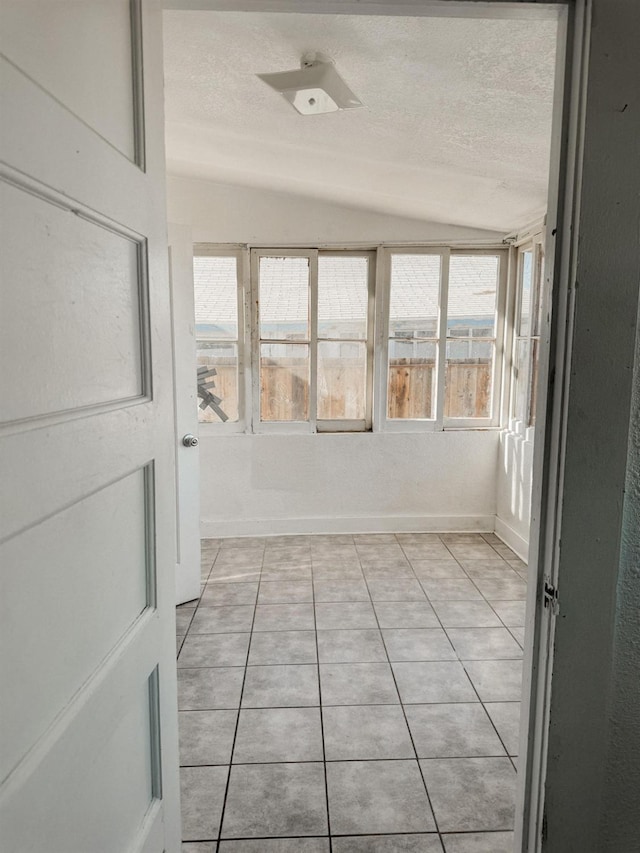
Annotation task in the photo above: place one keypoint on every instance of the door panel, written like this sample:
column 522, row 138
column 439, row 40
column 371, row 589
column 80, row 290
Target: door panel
column 87, row 523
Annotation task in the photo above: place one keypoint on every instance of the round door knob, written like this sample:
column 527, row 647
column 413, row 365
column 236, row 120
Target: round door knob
column 190, row 440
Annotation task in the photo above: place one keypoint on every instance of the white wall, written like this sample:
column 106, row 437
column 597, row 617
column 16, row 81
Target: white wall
column 256, row 484
column 513, row 486
column 260, row 484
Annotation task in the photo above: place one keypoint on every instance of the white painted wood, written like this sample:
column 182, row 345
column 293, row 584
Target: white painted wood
column 185, row 413
column 87, row 495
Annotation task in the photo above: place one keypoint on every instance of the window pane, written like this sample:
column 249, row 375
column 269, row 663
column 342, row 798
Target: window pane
column 535, row 357
column 284, row 382
column 415, row 289
column 217, row 382
column 473, row 286
column 342, row 378
column 526, row 283
column 284, row 299
column 539, row 279
column 522, row 374
column 412, row 372
column 343, row 296
column 468, row 376
column 216, row 298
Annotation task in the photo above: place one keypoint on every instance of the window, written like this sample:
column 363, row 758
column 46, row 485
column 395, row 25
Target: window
column 444, row 320
column 307, row 358
column 528, row 322
column 312, row 321
column 219, row 333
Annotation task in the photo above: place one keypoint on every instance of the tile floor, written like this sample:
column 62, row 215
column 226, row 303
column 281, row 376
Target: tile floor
column 353, row 694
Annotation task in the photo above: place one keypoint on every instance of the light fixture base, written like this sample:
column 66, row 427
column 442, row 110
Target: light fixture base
column 313, row 89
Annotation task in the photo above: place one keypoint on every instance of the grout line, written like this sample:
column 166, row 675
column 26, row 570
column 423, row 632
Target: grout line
column 406, row 722
column 235, row 733
column 324, row 751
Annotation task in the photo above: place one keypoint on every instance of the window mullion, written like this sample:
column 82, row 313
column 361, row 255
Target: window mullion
column 255, row 338
column 442, row 339
column 381, row 338
column 313, row 342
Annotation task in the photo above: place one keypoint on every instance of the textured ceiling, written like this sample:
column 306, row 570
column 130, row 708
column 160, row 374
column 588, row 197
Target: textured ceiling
column 456, row 125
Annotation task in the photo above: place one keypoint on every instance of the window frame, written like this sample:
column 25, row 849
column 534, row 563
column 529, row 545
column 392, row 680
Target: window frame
column 439, row 423
column 535, row 245
column 240, row 253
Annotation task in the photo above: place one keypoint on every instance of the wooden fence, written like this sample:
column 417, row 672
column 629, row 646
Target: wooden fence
column 285, row 393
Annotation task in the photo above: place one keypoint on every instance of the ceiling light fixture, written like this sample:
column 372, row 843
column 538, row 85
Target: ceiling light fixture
column 315, row 87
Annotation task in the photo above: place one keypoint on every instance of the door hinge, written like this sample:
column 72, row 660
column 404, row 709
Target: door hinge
column 550, row 597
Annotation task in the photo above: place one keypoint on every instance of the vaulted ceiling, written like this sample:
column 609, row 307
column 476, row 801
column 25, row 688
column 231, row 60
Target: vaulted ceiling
column 455, row 128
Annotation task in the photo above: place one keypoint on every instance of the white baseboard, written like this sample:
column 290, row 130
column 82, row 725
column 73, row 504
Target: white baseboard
column 369, row 524
column 512, row 539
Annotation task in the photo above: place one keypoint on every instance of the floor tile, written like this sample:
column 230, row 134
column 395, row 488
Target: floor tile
column 512, row 613
column 471, row 794
column 335, row 572
column 276, row 845
column 387, row 844
column 278, row 734
column 206, row 737
column 486, row 568
column 243, row 542
column 229, row 574
column 450, row 589
column 179, row 642
column 220, row 594
column 275, row 800
column 400, row 589
column 284, row 617
column 249, row 558
column 506, row 719
column 496, row 681
column 283, row 592
column 375, row 539
column 269, row 647
column 426, row 552
column 214, row 650
column 357, row 684
column 202, row 796
column 422, row 683
column 417, row 538
column 406, row 614
column 222, row 620
column 377, row 797
column 518, row 635
column 199, row 847
column 364, row 732
column 510, row 589
column 391, row 551
column 183, row 619
column 340, row 590
column 287, row 574
column 387, row 570
column 361, row 646
column 345, row 614
column 484, row 643
column 479, row 551
column 466, row 614
column 452, row 731
column 209, row 689
column 479, row 842
column 281, row 686
column 430, row 569
column 415, row 644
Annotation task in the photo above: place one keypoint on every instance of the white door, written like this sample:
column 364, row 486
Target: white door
column 87, row 522
column 186, row 401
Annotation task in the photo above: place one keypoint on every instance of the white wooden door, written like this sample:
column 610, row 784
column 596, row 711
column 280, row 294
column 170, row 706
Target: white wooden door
column 186, row 401
column 87, row 521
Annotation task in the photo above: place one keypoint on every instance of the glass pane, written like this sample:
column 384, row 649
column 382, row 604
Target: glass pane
column 343, row 296
column 468, row 375
column 216, row 298
column 217, row 382
column 284, row 382
column 342, row 378
column 284, row 299
column 522, row 377
column 414, row 297
column 412, row 378
column 537, row 317
column 473, row 287
column 526, row 283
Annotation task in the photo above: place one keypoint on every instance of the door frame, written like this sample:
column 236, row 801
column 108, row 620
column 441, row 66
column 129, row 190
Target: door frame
column 561, row 230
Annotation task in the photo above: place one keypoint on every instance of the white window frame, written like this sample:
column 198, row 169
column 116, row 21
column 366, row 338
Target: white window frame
column 240, row 253
column 313, row 425
column 535, row 245
column 382, row 423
